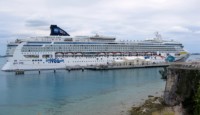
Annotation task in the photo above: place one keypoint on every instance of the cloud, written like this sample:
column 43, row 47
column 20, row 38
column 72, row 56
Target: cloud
column 179, row 29
column 197, row 32
column 124, row 19
column 33, row 23
column 37, row 20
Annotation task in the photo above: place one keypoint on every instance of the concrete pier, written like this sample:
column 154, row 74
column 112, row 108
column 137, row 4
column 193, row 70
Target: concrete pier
column 96, row 67
column 19, row 72
column 109, row 67
column 70, row 68
column 174, row 65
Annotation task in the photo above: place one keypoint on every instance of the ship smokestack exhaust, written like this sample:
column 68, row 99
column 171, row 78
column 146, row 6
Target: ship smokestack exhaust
column 57, row 31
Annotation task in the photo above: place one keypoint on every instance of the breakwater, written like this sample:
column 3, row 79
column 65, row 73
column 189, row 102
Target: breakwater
column 182, row 86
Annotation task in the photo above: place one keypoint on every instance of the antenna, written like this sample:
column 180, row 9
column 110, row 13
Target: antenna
column 158, row 36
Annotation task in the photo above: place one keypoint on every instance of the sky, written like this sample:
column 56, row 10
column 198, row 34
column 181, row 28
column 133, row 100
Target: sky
column 124, row 19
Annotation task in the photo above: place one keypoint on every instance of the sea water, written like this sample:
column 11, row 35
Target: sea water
column 105, row 92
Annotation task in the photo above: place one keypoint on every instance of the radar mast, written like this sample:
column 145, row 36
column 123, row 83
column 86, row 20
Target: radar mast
column 158, row 36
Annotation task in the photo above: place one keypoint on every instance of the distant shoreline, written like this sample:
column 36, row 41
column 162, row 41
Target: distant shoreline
column 195, row 54
column 3, row 56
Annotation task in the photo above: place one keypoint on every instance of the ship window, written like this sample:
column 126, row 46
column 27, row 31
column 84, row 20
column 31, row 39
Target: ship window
column 31, row 56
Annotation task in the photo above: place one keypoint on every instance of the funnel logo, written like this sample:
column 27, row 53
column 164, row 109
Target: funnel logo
column 56, row 30
column 62, row 32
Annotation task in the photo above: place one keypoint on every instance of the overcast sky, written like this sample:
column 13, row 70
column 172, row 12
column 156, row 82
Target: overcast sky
column 124, row 19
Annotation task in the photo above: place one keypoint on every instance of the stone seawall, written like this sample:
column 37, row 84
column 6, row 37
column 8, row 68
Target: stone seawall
column 181, row 86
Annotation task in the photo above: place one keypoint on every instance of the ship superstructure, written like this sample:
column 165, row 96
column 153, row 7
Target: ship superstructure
column 60, row 50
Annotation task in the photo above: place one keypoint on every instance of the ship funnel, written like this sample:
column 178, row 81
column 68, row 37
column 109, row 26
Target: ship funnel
column 57, row 31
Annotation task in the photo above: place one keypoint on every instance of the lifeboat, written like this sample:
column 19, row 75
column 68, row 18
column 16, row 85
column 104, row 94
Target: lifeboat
column 59, row 53
column 101, row 53
column 69, row 53
column 117, row 53
column 78, row 54
column 110, row 53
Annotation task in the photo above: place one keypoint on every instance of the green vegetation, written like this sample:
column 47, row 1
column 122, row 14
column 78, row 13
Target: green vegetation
column 188, row 90
column 163, row 73
column 164, row 112
column 197, row 102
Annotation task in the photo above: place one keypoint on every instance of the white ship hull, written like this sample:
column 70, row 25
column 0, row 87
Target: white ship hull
column 68, row 62
column 24, row 64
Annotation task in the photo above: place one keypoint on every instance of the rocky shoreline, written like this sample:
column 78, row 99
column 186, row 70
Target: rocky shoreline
column 156, row 106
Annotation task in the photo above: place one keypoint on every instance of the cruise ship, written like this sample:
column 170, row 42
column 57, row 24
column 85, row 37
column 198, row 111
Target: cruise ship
column 60, row 50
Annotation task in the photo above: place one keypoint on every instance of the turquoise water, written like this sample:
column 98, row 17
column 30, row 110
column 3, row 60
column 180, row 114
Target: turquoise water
column 110, row 92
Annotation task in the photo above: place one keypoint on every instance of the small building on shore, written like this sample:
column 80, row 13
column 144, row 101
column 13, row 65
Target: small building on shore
column 131, row 61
